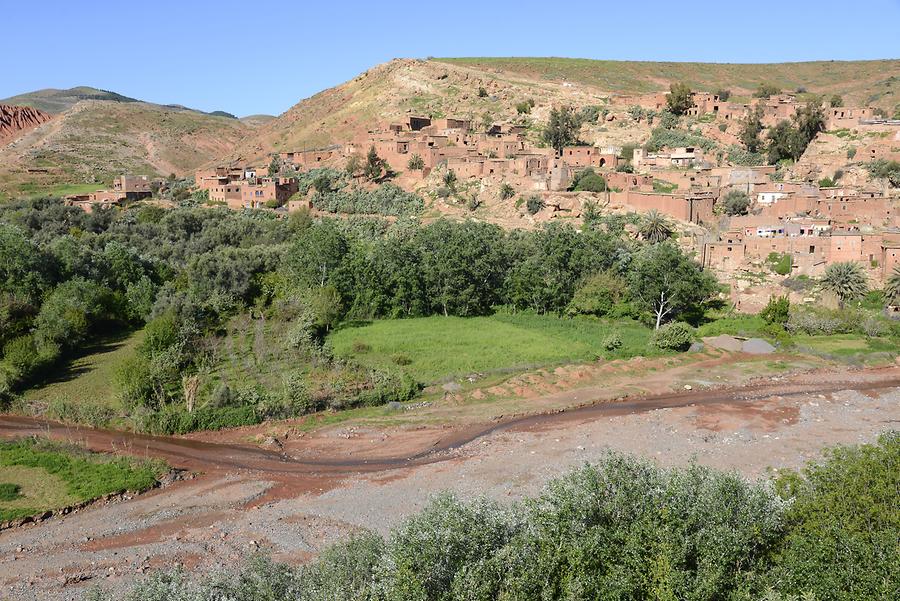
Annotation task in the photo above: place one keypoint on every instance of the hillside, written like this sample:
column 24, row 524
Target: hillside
column 860, row 82
column 16, row 120
column 52, row 100
column 96, row 140
column 440, row 87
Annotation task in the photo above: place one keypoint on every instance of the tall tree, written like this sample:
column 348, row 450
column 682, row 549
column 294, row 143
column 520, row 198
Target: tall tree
column 751, row 128
column 679, row 99
column 562, row 129
column 667, row 283
column 892, row 287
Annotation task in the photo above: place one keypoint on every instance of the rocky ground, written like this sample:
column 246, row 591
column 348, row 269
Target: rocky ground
column 248, row 500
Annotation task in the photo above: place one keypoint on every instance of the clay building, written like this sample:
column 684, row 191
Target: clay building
column 133, row 187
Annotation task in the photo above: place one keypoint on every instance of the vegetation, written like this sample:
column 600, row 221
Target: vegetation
column 236, row 306
column 506, row 191
column 588, row 181
column 623, row 527
column 846, row 281
column 751, row 128
column 438, row 348
column 892, row 287
column 735, row 202
column 789, row 139
column 562, row 129
column 655, row 227
column 39, row 476
column 765, row 90
column 415, row 163
column 679, row 99
column 887, row 170
column 673, row 138
column 780, row 263
column 534, row 203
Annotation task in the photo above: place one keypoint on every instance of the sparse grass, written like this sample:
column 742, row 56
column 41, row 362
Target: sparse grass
column 734, row 325
column 50, row 476
column 855, row 80
column 854, row 347
column 443, row 347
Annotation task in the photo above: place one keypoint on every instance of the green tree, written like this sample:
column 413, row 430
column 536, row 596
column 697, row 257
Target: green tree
column 562, row 129
column 275, row 166
column 375, row 166
column 416, row 163
column 892, row 287
column 886, row 170
column 809, row 121
column 836, row 101
column 724, row 94
column 751, row 128
column 666, row 283
column 784, row 142
column 588, row 181
column 846, row 280
column 534, row 204
column 679, row 99
column 655, row 227
column 506, row 191
column 736, row 202
column 765, row 90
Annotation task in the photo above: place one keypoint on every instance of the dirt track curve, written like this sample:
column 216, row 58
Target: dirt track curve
column 209, row 456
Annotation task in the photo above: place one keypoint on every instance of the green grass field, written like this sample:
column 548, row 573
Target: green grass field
column 855, row 347
column 83, row 390
column 431, row 349
column 39, row 476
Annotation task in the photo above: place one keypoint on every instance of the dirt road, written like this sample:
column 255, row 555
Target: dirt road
column 294, row 502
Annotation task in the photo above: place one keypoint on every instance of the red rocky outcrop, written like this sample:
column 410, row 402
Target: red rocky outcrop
column 15, row 120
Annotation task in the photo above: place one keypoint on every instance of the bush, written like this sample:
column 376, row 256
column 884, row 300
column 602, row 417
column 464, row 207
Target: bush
column 842, row 525
column 674, row 336
column 9, row 491
column 534, row 204
column 386, row 199
column 777, row 310
column 588, row 181
column 612, row 342
column 416, row 163
column 598, row 294
column 506, row 191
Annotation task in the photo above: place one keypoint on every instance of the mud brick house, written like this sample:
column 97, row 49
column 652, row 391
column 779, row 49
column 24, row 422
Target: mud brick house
column 678, row 157
column 690, row 207
column 254, row 193
column 99, row 199
column 133, row 187
column 589, row 156
column 207, row 179
column 312, row 158
column 845, row 117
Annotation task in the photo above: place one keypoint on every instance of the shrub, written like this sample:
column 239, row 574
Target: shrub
column 598, row 294
column 9, row 491
column 673, row 336
column 765, row 90
column 841, row 541
column 506, row 191
column 359, row 346
column 851, row 152
column 588, row 181
column 534, row 204
column 523, row 108
column 612, row 342
column 482, row 93
column 777, row 310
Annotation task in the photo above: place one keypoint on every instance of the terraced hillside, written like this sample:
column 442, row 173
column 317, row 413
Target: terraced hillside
column 96, row 140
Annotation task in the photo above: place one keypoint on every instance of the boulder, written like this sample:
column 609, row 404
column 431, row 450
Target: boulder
column 757, row 346
column 696, row 347
column 724, row 342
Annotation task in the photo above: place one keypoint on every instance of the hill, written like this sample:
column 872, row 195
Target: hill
column 52, row 100
column 96, row 140
column 875, row 82
column 491, row 87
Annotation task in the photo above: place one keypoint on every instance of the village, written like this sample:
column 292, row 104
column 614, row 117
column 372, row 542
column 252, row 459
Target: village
column 813, row 223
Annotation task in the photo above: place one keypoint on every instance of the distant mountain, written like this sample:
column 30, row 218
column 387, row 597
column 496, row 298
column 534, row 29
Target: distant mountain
column 56, row 101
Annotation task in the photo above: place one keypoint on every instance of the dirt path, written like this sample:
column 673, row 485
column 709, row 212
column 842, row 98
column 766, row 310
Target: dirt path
column 292, row 506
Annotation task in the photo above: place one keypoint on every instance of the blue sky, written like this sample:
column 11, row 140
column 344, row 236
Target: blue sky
column 263, row 56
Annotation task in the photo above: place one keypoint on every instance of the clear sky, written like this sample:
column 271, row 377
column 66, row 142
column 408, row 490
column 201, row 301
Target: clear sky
column 263, row 56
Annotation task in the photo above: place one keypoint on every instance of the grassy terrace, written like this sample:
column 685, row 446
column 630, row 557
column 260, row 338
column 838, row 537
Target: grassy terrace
column 38, row 476
column 431, row 349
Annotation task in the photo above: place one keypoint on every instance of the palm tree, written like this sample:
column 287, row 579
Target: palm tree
column 655, row 227
column 846, row 281
column 892, row 288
